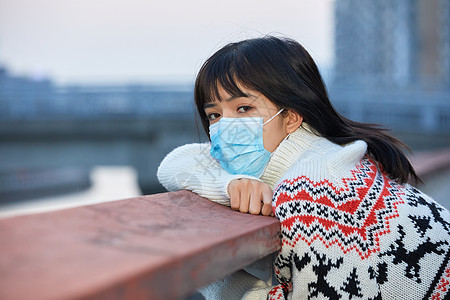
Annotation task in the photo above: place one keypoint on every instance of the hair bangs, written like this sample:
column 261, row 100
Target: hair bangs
column 221, row 73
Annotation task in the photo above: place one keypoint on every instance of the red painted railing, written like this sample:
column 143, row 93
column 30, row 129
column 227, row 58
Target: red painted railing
column 162, row 246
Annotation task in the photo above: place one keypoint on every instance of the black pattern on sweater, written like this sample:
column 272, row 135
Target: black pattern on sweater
column 366, row 238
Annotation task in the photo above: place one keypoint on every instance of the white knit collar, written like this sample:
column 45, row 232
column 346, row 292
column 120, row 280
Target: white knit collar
column 288, row 152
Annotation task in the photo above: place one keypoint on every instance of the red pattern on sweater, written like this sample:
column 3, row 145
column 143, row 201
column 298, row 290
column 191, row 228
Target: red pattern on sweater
column 375, row 217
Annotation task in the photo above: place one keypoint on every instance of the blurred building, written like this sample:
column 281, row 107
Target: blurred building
column 402, row 43
column 51, row 136
column 25, row 98
column 392, row 67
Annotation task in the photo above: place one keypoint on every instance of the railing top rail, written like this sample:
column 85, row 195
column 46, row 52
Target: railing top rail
column 161, row 246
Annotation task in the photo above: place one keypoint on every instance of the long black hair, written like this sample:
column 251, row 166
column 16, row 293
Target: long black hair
column 284, row 72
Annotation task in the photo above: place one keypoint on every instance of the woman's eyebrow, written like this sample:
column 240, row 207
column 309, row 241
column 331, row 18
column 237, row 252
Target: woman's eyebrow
column 246, row 95
column 208, row 105
column 231, row 98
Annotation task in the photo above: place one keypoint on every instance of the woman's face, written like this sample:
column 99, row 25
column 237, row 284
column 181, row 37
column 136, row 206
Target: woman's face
column 254, row 104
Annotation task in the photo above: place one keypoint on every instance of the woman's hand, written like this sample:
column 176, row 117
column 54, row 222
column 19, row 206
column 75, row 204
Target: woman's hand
column 252, row 196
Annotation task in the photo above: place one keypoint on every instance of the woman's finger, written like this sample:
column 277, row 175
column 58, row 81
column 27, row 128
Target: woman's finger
column 267, row 201
column 244, row 196
column 233, row 191
column 255, row 200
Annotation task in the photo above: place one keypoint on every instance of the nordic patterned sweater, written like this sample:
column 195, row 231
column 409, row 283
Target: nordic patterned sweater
column 347, row 230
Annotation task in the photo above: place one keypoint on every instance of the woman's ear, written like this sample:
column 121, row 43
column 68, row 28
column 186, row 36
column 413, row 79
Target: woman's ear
column 294, row 120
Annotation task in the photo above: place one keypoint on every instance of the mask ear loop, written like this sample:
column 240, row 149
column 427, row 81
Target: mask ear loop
column 279, row 112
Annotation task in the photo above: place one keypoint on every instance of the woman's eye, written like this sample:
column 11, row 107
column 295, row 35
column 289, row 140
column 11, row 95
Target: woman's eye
column 213, row 116
column 243, row 109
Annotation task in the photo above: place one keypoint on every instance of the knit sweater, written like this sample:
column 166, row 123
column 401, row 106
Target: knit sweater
column 347, row 230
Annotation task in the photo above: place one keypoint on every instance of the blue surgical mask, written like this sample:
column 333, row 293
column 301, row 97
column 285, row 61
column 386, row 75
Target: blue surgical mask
column 237, row 143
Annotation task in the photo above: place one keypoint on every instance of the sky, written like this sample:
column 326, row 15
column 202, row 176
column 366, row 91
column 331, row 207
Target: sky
column 97, row 41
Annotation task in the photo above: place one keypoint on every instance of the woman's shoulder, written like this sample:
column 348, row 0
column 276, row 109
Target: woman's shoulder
column 306, row 153
column 332, row 162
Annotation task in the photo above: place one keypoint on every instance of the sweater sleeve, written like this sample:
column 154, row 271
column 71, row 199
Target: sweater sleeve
column 191, row 167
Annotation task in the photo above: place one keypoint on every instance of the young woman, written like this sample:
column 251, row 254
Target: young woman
column 352, row 227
